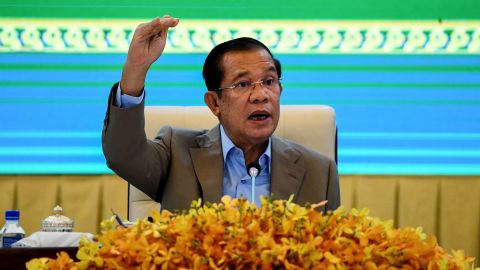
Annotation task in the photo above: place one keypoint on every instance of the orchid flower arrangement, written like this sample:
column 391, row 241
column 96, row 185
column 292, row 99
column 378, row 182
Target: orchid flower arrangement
column 279, row 234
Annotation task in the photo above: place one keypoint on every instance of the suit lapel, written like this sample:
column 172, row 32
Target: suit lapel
column 208, row 164
column 287, row 175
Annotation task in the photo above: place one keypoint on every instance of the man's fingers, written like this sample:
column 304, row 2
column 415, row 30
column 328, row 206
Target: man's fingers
column 156, row 26
column 169, row 21
column 177, row 20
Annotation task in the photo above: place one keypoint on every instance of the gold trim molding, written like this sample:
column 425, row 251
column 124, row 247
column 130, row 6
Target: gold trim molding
column 199, row 36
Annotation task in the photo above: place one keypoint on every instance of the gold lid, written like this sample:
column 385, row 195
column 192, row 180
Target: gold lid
column 57, row 222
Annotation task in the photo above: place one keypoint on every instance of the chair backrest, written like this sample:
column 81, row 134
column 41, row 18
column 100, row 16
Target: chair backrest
column 313, row 126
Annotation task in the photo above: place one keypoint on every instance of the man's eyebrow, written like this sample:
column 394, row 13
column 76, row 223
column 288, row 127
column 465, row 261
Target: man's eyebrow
column 239, row 75
column 272, row 68
column 244, row 73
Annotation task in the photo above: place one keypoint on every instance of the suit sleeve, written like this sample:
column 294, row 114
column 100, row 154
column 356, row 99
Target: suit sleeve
column 128, row 152
column 333, row 188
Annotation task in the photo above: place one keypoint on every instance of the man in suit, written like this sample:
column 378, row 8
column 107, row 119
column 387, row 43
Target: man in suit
column 179, row 165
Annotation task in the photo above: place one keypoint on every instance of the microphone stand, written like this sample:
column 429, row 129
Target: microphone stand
column 253, row 170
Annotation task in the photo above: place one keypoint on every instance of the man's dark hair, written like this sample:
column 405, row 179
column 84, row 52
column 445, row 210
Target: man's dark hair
column 213, row 69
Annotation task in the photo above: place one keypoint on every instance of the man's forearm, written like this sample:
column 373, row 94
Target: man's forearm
column 133, row 79
column 127, row 151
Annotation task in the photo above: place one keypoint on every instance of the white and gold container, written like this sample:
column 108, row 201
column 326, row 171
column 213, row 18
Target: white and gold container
column 57, row 222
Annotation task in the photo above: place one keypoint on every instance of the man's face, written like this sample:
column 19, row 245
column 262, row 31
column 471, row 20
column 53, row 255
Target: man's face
column 249, row 117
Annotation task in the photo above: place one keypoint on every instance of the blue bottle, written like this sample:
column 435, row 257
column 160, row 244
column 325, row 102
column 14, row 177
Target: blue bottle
column 12, row 231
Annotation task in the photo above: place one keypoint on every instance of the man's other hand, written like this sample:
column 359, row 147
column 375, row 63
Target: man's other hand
column 147, row 45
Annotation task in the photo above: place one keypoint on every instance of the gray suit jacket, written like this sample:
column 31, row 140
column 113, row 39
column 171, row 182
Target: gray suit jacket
column 182, row 165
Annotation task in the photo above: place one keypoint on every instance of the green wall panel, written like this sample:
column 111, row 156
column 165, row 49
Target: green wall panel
column 247, row 9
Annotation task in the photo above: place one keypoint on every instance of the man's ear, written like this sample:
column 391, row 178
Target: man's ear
column 211, row 99
column 281, row 88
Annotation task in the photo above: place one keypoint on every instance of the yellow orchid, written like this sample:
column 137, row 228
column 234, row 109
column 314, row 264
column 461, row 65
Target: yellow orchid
column 235, row 234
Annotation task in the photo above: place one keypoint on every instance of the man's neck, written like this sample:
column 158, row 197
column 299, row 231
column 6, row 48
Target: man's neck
column 253, row 152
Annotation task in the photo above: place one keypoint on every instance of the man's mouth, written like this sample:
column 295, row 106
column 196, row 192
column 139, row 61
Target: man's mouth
column 259, row 115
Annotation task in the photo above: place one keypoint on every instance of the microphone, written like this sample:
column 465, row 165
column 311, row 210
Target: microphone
column 253, row 169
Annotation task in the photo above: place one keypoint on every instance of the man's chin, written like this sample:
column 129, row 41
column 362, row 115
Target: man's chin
column 260, row 136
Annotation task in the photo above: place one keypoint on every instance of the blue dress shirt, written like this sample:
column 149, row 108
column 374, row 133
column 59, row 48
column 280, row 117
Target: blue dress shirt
column 127, row 101
column 236, row 181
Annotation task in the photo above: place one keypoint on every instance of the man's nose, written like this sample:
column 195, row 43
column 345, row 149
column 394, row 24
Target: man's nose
column 259, row 83
column 258, row 94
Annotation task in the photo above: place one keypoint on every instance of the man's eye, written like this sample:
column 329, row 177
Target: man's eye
column 243, row 84
column 269, row 82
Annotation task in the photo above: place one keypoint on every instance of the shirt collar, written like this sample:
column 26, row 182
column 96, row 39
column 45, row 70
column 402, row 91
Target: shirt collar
column 227, row 145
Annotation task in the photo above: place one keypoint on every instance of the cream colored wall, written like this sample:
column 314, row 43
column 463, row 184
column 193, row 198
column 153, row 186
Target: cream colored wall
column 448, row 207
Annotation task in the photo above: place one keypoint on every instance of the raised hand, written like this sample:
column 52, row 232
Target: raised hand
column 147, row 45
